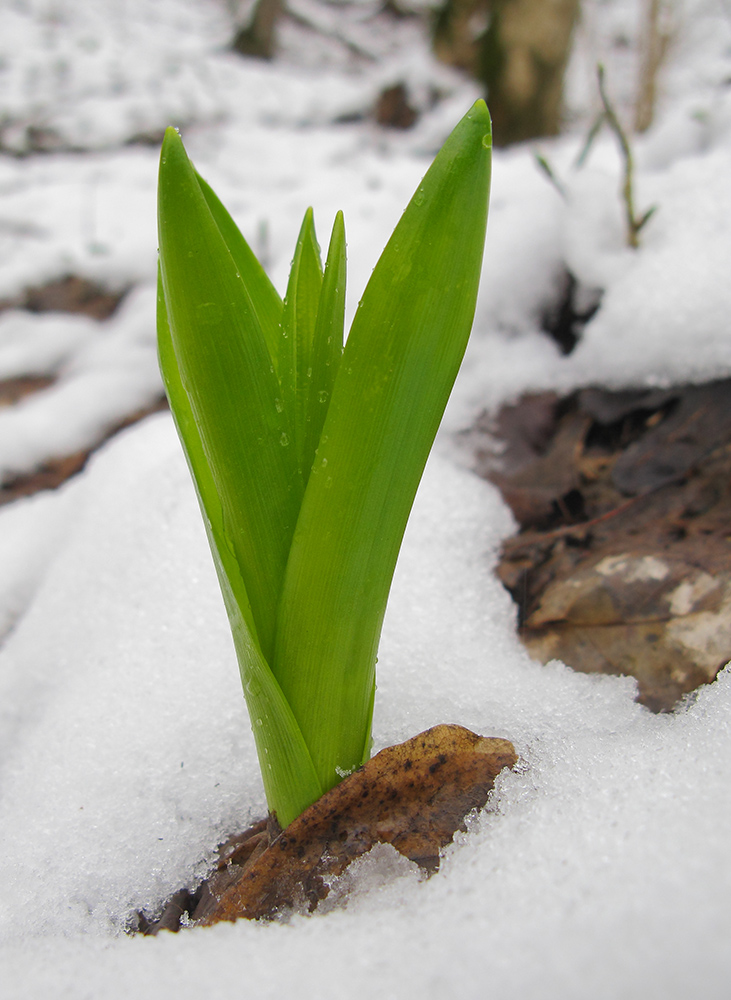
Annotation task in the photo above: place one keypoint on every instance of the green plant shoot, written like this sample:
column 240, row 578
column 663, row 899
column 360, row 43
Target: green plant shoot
column 306, row 456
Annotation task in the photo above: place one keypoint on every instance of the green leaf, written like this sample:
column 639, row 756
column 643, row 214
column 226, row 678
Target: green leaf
column 328, row 342
column 263, row 295
column 205, row 487
column 290, row 781
column 399, row 364
column 645, row 218
column 229, row 377
column 298, row 335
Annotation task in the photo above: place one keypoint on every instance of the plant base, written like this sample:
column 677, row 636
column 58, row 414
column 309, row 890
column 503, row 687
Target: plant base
column 414, row 796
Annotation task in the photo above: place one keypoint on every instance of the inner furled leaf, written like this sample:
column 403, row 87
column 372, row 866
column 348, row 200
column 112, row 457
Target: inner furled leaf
column 399, row 364
column 297, row 348
column 290, row 781
column 328, row 342
column 264, row 297
column 228, row 374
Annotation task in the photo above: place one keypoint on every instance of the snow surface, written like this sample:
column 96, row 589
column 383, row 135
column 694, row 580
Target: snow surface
column 601, row 865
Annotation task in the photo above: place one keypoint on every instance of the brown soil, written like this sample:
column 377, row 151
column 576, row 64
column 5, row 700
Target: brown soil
column 14, row 389
column 393, row 110
column 623, row 561
column 414, row 796
column 70, row 294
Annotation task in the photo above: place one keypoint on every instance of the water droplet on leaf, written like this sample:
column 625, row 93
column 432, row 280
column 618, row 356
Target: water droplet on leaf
column 208, row 313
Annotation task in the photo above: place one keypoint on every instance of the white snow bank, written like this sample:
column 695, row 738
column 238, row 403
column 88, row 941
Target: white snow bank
column 666, row 316
column 600, row 867
column 81, row 78
column 93, row 216
column 88, row 76
column 31, row 530
column 110, row 372
column 665, row 307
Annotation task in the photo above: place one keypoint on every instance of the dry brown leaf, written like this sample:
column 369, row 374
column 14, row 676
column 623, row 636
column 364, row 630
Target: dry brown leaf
column 638, row 586
column 413, row 796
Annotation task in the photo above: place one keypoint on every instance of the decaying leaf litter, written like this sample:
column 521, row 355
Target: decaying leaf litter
column 622, row 564
column 414, row 796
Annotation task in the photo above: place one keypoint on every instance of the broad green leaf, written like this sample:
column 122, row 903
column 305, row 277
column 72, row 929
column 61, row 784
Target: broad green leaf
column 400, row 361
column 197, row 463
column 229, row 377
column 263, row 295
column 297, row 350
column 328, row 341
column 290, row 781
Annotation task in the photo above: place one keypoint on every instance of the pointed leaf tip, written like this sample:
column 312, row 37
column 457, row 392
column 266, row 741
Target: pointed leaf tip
column 480, row 115
column 174, row 161
column 171, row 140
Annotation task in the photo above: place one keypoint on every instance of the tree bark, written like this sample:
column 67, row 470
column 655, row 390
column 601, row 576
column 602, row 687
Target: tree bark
column 654, row 41
column 519, row 49
column 258, row 37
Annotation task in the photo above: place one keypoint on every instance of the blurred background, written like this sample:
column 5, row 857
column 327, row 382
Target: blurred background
column 125, row 755
column 282, row 104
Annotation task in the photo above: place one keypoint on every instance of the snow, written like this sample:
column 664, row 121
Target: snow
column 600, row 867
column 103, row 376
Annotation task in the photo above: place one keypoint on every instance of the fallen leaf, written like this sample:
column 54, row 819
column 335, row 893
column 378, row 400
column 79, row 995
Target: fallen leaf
column 699, row 421
column 636, row 577
column 414, row 796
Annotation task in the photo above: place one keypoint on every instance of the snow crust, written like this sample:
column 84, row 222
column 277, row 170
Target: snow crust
column 601, row 865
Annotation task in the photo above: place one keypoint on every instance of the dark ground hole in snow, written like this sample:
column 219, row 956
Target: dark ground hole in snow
column 393, row 109
column 69, row 294
column 623, row 560
column 14, row 389
column 564, row 320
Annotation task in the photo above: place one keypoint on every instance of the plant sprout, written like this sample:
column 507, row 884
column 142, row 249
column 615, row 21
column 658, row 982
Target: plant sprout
column 306, row 456
column 633, row 223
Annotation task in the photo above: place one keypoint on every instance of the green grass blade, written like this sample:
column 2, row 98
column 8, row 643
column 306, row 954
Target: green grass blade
column 290, row 781
column 264, row 296
column 328, row 341
column 229, row 377
column 299, row 316
column 400, row 361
